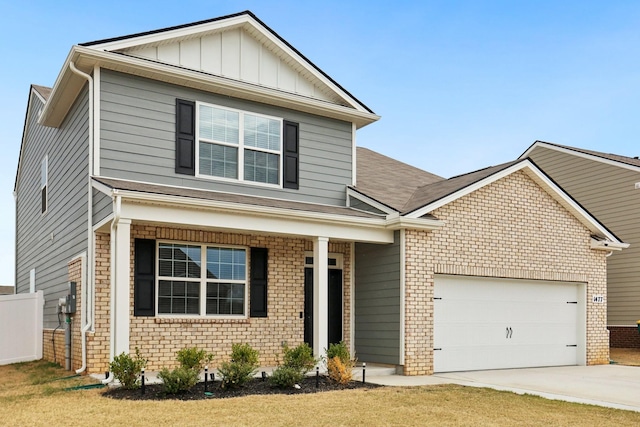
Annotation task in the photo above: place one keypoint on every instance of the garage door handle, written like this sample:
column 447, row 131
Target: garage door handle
column 509, row 332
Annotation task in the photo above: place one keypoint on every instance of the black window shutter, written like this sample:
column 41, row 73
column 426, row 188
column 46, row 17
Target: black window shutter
column 144, row 278
column 291, row 154
column 185, row 137
column 258, row 278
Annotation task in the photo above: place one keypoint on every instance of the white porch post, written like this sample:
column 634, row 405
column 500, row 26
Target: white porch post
column 122, row 265
column 320, row 295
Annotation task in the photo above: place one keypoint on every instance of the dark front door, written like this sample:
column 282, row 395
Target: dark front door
column 335, row 306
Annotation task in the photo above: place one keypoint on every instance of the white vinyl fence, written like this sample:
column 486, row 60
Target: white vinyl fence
column 21, row 327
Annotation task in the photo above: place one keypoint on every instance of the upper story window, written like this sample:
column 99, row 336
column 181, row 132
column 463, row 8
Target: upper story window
column 44, row 182
column 238, row 145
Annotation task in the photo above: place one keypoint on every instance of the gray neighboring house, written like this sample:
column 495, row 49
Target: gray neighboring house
column 201, row 186
column 608, row 185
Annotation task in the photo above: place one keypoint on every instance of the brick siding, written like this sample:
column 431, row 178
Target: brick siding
column 510, row 228
column 159, row 338
column 624, row 336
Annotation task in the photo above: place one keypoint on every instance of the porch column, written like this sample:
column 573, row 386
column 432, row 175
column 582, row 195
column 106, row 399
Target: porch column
column 320, row 295
column 122, row 267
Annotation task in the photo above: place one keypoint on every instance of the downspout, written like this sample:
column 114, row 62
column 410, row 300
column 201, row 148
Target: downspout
column 87, row 294
column 117, row 204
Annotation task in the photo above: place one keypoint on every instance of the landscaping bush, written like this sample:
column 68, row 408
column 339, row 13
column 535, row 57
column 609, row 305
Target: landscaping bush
column 179, row 380
column 295, row 364
column 286, row 377
column 339, row 363
column 300, row 358
column 194, row 358
column 244, row 364
column 127, row 369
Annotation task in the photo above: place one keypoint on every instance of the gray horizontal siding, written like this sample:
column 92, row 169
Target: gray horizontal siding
column 102, row 206
column 377, row 302
column 358, row 204
column 48, row 242
column 137, row 132
column 608, row 193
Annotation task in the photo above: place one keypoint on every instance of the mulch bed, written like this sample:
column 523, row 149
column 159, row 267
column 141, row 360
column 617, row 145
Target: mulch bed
column 254, row 387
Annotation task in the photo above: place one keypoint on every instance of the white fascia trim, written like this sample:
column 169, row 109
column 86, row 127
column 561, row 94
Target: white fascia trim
column 401, row 222
column 236, row 21
column 373, row 203
column 542, row 180
column 579, row 154
column 252, row 218
column 198, row 80
column 102, row 188
column 606, row 245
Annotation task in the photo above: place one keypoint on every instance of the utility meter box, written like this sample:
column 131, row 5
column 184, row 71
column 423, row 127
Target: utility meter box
column 70, row 306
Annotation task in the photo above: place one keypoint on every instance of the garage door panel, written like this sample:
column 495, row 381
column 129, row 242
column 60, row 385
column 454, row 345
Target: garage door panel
column 482, row 323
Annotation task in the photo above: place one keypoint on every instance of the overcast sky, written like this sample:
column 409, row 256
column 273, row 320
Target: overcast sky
column 460, row 85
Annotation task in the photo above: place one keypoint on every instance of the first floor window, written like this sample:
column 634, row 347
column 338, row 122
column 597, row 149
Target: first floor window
column 201, row 280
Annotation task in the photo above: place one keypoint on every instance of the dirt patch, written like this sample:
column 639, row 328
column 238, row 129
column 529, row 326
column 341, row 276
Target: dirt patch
column 625, row 356
column 252, row 388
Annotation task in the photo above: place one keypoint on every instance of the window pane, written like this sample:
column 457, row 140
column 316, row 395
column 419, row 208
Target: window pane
column 226, row 263
column 218, row 160
column 178, row 297
column 178, row 260
column 219, row 124
column 261, row 132
column 261, row 167
column 237, row 307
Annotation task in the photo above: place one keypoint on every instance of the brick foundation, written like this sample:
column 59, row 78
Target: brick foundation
column 624, row 336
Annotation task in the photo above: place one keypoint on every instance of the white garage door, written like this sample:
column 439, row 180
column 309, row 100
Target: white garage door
column 486, row 323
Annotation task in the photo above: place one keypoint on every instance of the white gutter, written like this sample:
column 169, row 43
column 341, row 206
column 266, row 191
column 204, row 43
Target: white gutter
column 117, row 205
column 87, row 294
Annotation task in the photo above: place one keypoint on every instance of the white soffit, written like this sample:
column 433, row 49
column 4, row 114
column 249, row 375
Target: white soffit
column 239, row 48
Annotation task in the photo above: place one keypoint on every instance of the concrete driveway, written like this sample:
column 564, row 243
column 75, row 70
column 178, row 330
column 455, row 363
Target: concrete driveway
column 613, row 386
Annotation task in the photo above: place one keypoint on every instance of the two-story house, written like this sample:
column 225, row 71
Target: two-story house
column 608, row 185
column 201, row 186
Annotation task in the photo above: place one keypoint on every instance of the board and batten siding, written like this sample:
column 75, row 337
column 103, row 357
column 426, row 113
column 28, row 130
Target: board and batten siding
column 48, row 242
column 377, row 302
column 137, row 120
column 607, row 192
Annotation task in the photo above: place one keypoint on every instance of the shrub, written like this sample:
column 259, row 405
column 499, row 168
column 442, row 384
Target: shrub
column 244, row 364
column 127, row 369
column 194, row 358
column 339, row 371
column 300, row 358
column 285, row 377
column 178, row 380
column 295, row 364
column 339, row 363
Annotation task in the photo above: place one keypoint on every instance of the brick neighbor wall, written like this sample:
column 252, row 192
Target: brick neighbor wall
column 159, row 338
column 624, row 336
column 510, row 228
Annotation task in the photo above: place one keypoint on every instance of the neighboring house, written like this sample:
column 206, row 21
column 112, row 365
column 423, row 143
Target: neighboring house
column 608, row 185
column 201, row 186
column 7, row 290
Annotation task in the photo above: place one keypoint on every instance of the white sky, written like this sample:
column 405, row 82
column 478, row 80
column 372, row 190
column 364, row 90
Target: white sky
column 460, row 85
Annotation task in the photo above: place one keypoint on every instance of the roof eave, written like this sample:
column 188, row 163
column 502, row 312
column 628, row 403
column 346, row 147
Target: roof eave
column 68, row 86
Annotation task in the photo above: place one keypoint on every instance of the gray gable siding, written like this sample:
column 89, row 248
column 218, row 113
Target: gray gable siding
column 360, row 205
column 608, row 193
column 48, row 242
column 102, row 206
column 137, row 117
column 377, row 302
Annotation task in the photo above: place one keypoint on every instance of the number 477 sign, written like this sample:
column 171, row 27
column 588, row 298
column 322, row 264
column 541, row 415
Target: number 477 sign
column 598, row 299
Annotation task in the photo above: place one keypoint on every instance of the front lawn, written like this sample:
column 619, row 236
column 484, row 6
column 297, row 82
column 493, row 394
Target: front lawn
column 28, row 397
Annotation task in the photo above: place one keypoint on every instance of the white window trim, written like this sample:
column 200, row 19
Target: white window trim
column 240, row 146
column 203, row 282
column 44, row 164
